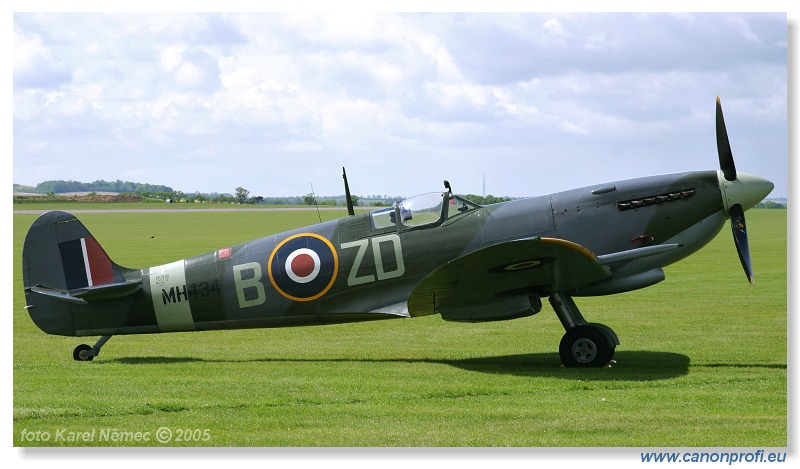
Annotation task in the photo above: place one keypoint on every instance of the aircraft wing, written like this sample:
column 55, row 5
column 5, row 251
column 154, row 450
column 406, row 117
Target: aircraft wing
column 493, row 282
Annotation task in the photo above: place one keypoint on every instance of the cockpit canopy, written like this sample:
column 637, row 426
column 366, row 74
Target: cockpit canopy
column 422, row 210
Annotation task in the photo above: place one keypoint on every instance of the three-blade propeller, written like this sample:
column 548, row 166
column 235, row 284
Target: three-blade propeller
column 735, row 211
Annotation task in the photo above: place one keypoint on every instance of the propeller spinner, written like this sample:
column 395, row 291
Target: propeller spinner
column 739, row 192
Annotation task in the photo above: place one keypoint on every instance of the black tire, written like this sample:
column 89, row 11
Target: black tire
column 82, row 353
column 585, row 347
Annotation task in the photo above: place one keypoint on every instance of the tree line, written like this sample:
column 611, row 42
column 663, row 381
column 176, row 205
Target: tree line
column 241, row 195
column 770, row 204
column 59, row 187
column 486, row 199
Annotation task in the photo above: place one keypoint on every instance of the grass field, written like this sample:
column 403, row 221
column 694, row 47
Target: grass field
column 703, row 362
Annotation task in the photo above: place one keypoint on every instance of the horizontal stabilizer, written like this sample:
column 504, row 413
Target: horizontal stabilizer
column 84, row 295
column 57, row 294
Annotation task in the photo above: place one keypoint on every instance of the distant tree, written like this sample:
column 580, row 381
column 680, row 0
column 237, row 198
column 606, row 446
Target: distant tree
column 223, row 199
column 256, row 200
column 770, row 204
column 97, row 186
column 308, row 199
column 486, row 200
column 355, row 199
column 241, row 195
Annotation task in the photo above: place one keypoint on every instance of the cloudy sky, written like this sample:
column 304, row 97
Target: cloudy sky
column 533, row 102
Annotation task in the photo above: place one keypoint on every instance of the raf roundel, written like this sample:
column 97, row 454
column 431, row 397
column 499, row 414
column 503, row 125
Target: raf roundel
column 303, row 267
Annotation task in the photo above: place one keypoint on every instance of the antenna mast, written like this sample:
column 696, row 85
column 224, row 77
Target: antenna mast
column 315, row 202
column 349, row 199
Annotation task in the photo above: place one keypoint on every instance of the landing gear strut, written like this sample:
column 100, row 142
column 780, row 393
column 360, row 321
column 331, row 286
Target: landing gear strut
column 85, row 353
column 584, row 344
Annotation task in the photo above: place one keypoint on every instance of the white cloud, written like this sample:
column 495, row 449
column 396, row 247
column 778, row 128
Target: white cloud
column 35, row 65
column 301, row 146
column 554, row 28
column 454, row 94
column 29, row 52
column 596, row 42
column 171, row 57
column 384, row 87
column 741, row 26
column 189, row 74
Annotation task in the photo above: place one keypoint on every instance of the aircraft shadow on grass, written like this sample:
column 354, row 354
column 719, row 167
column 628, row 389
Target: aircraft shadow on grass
column 630, row 366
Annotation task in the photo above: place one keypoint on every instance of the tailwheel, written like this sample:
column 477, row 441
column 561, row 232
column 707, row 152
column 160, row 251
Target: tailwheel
column 83, row 353
column 586, row 346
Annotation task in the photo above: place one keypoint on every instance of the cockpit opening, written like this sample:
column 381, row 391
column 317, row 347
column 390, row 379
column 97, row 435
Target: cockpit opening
column 428, row 209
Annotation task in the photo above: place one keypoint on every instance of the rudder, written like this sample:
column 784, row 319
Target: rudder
column 59, row 252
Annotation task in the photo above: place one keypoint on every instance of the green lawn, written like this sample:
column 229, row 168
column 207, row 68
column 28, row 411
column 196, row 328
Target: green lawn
column 702, row 362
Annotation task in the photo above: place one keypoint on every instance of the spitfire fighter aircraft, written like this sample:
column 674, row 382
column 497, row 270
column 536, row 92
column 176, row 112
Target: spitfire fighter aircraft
column 437, row 253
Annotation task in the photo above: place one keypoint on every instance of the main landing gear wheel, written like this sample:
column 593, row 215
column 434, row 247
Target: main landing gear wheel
column 586, row 346
column 83, row 353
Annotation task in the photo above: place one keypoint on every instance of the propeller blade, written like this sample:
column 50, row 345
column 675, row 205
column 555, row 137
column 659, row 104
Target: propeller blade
column 740, row 237
column 724, row 147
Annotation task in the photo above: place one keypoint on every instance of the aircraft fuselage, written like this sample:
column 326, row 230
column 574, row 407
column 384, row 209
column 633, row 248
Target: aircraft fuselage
column 356, row 268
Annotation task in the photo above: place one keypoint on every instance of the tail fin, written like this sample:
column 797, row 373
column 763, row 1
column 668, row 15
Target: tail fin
column 63, row 265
